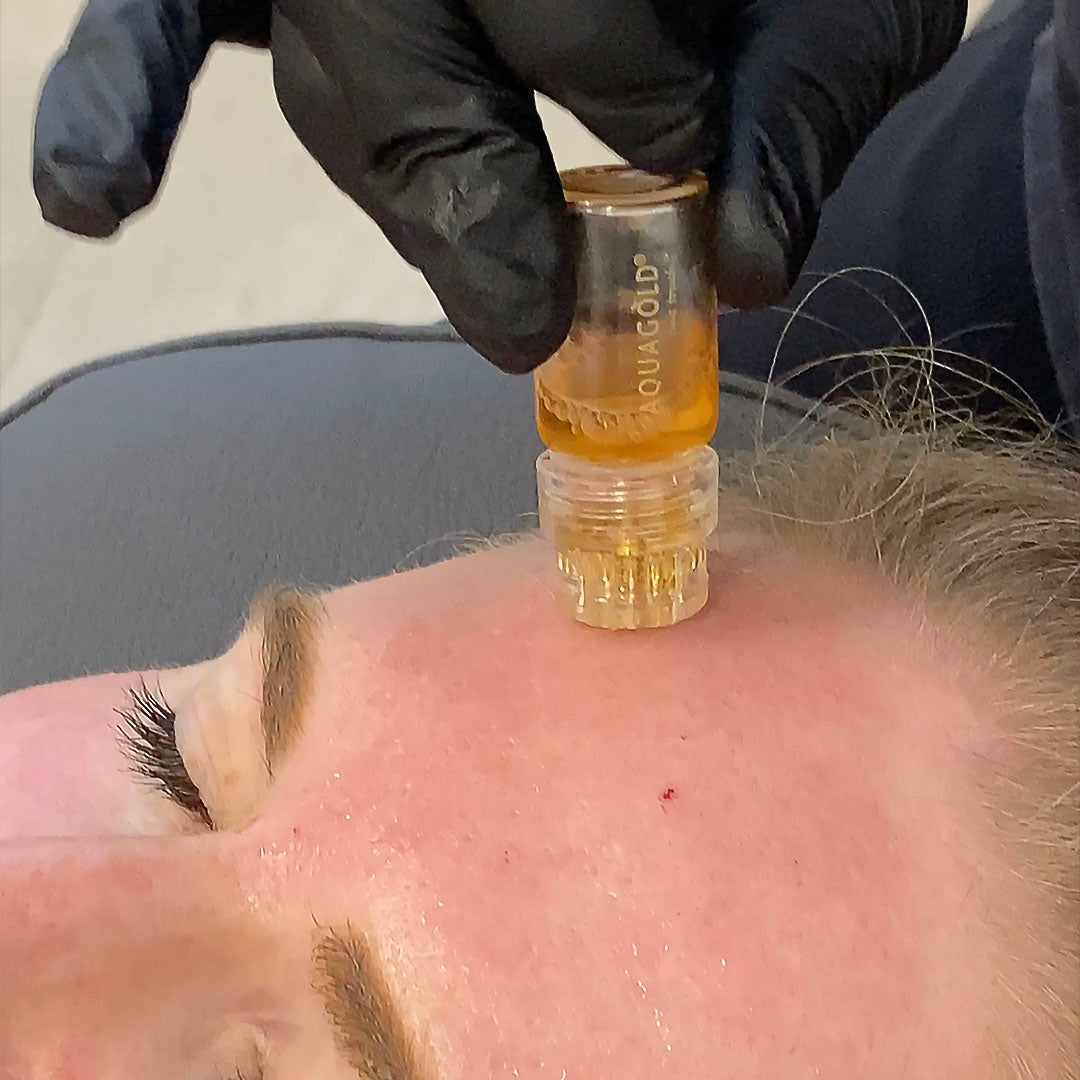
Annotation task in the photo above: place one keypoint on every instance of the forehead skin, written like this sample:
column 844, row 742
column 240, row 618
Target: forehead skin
column 747, row 846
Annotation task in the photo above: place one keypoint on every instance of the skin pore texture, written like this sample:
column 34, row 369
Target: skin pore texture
column 489, row 842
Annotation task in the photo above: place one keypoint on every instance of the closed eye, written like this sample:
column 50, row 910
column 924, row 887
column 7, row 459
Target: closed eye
column 148, row 740
column 237, row 726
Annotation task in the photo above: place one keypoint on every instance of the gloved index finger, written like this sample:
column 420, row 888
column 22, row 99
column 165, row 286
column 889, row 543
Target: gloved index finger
column 443, row 147
column 632, row 71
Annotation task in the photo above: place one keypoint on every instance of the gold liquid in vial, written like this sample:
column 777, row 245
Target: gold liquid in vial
column 599, row 397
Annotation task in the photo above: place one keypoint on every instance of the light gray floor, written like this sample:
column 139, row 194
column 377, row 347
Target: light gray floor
column 246, row 231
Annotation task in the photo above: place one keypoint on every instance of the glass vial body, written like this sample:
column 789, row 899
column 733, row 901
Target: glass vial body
column 626, row 406
column 636, row 379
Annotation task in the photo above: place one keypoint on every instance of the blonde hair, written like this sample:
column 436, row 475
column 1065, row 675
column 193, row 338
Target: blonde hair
column 979, row 524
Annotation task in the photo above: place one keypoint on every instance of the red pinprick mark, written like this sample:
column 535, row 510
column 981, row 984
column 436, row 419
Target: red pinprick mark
column 667, row 795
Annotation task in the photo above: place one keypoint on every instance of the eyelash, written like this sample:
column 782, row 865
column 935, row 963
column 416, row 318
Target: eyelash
column 148, row 740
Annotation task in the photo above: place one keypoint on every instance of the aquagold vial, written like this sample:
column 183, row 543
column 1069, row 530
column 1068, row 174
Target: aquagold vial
column 626, row 407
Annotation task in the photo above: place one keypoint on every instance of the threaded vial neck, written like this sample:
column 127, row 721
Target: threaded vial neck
column 630, row 538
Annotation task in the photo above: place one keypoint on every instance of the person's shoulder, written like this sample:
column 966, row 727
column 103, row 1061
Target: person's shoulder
column 1052, row 168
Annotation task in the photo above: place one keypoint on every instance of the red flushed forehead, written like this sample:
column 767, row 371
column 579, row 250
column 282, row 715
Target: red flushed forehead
column 664, row 836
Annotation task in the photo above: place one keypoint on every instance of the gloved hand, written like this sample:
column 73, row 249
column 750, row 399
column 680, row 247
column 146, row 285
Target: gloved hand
column 422, row 111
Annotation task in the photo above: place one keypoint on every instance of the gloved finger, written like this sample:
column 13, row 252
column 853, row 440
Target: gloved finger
column 637, row 73
column 112, row 103
column 110, row 109
column 411, row 116
column 809, row 84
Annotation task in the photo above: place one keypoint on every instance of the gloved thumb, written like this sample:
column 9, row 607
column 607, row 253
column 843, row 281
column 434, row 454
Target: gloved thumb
column 808, row 86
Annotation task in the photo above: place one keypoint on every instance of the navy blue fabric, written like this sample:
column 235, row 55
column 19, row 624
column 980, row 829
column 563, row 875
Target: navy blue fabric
column 1052, row 145
column 938, row 197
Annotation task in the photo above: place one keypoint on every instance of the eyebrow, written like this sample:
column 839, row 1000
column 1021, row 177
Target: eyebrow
column 285, row 618
column 368, row 1027
column 367, row 1024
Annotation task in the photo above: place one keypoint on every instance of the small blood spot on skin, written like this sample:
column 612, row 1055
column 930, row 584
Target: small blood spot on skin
column 667, row 795
column 506, row 855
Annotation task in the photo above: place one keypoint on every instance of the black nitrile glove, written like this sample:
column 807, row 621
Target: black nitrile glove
column 422, row 111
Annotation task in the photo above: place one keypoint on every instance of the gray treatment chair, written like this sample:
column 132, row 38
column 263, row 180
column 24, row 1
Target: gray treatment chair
column 145, row 498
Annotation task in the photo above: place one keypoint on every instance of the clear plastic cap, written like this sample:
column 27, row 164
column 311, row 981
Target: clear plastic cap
column 630, row 538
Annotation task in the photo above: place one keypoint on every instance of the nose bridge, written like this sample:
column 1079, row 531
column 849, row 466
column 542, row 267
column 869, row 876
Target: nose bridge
column 89, row 934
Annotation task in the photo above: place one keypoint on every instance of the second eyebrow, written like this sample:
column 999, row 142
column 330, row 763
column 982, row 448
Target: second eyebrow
column 368, row 1027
